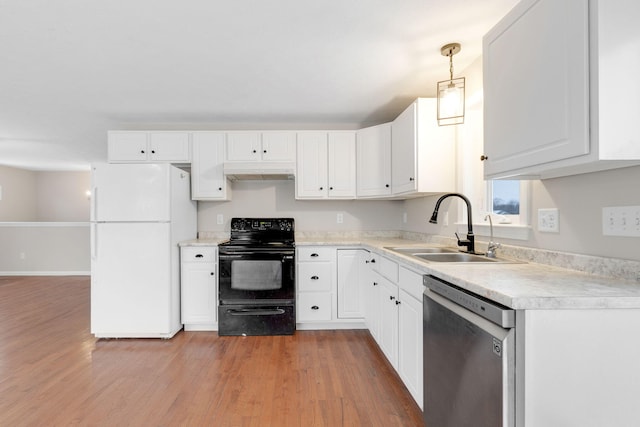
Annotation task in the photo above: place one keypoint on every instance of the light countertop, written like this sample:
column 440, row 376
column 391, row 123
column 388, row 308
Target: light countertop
column 523, row 285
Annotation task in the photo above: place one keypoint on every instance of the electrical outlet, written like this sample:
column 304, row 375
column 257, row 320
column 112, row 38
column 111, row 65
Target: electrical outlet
column 220, row 219
column 621, row 221
column 548, row 220
column 340, row 218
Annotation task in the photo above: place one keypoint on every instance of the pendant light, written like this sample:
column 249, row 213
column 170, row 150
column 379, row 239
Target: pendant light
column 451, row 92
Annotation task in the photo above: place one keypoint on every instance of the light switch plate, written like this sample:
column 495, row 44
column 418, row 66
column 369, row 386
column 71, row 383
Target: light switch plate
column 220, row 219
column 548, row 220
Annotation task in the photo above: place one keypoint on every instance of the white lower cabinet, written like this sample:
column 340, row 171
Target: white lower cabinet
column 316, row 277
column 351, row 281
column 393, row 314
column 410, row 332
column 388, row 337
column 199, row 288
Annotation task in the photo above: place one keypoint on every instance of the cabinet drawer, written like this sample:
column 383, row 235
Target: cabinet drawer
column 385, row 267
column 198, row 254
column 315, row 276
column 411, row 283
column 315, row 253
column 314, row 306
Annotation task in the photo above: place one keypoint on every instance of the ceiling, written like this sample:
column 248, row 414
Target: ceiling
column 73, row 69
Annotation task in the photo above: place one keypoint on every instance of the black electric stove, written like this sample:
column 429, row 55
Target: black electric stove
column 257, row 278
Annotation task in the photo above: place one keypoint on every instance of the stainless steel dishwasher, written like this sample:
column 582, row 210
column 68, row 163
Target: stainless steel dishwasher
column 469, row 358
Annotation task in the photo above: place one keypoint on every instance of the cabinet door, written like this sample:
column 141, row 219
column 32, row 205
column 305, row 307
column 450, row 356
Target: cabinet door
column 243, row 146
column 388, row 338
column 169, row 147
column 198, row 293
column 279, row 146
column 373, row 161
column 372, row 291
column 410, row 344
column 342, row 164
column 207, row 178
column 403, row 151
column 351, row 283
column 127, row 146
column 311, row 173
column 536, row 85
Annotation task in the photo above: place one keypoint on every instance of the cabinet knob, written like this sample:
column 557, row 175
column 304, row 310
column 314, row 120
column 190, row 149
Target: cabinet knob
column 483, row 158
column 264, row 151
column 153, row 151
column 315, row 307
column 330, row 188
column 314, row 277
column 255, row 151
column 142, row 151
column 373, row 260
column 386, row 185
column 391, row 297
column 410, row 178
column 321, row 188
column 375, row 283
column 219, row 188
column 398, row 302
column 211, row 273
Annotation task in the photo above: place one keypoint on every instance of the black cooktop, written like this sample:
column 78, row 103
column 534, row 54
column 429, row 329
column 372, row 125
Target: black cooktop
column 261, row 233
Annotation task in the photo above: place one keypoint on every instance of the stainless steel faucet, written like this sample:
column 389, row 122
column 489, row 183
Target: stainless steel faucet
column 491, row 248
column 469, row 242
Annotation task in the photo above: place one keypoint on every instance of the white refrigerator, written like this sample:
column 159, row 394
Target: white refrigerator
column 139, row 213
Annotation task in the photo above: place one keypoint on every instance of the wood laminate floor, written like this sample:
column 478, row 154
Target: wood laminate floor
column 53, row 372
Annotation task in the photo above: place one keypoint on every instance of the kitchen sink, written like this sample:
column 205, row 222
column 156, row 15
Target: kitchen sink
column 424, row 250
column 454, row 257
column 437, row 254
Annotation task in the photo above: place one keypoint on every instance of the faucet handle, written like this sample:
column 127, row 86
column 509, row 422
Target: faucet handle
column 464, row 242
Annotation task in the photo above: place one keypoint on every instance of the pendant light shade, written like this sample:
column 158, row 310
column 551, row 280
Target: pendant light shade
column 451, row 92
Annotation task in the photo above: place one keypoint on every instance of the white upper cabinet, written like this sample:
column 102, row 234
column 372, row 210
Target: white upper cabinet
column 557, row 79
column 422, row 153
column 207, row 176
column 373, row 161
column 256, row 146
column 326, row 165
column 144, row 146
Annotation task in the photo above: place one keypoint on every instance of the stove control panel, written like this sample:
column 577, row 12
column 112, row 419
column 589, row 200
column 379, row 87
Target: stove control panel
column 262, row 224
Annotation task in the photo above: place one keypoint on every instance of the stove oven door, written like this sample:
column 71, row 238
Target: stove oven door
column 256, row 277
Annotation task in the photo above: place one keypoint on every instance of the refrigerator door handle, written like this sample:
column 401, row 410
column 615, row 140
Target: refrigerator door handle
column 94, row 204
column 94, row 241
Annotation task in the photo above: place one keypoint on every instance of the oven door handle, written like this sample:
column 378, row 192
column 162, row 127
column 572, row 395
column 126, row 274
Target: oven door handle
column 255, row 311
column 229, row 256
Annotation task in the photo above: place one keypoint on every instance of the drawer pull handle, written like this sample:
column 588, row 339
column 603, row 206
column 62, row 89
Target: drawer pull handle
column 314, row 255
column 199, row 256
column 314, row 277
column 315, row 307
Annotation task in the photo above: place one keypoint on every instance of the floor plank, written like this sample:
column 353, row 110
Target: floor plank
column 54, row 372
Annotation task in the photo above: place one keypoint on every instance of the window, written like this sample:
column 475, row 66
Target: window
column 507, row 200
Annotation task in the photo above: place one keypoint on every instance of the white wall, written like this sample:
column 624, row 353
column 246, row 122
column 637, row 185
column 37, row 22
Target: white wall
column 579, row 199
column 18, row 201
column 277, row 199
column 44, row 225
column 62, row 196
